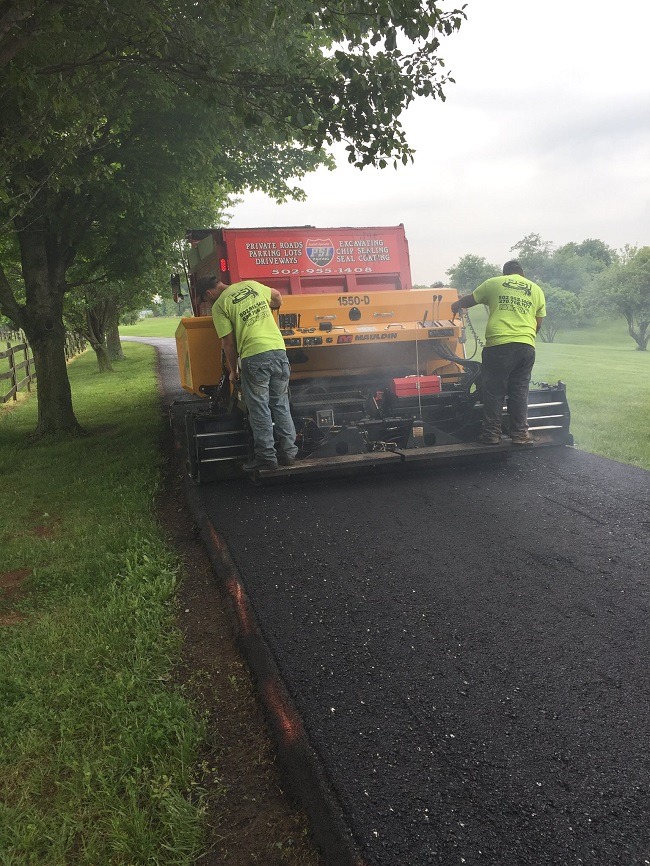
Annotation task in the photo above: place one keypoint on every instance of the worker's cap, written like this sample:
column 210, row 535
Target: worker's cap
column 512, row 267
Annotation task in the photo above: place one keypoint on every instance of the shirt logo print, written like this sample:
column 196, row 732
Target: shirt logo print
column 518, row 286
column 243, row 293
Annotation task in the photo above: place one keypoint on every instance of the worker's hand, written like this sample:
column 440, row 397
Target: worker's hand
column 455, row 308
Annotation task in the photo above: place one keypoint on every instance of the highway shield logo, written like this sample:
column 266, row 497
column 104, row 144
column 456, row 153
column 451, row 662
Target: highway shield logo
column 320, row 251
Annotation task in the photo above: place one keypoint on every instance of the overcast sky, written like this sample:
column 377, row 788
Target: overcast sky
column 546, row 130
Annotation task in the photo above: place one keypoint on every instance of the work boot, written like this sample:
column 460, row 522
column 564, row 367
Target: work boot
column 488, row 439
column 522, row 439
column 285, row 459
column 258, row 463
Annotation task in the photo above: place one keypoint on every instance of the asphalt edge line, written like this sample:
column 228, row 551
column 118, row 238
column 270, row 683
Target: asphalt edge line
column 295, row 753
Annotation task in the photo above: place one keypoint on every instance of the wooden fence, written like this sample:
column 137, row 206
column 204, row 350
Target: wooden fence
column 22, row 373
column 7, row 333
column 75, row 344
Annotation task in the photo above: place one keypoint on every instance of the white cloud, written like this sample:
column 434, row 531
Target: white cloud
column 547, row 130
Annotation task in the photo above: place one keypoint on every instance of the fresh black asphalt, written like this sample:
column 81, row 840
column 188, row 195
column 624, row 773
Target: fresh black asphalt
column 468, row 650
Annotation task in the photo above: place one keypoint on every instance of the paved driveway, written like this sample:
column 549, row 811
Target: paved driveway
column 468, row 652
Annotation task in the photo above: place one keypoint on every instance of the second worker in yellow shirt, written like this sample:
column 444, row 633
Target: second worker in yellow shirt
column 516, row 311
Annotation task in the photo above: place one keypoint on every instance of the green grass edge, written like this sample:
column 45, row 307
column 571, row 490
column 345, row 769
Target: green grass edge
column 98, row 747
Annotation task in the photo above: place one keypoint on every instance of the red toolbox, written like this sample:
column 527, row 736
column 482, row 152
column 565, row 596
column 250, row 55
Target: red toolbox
column 411, row 386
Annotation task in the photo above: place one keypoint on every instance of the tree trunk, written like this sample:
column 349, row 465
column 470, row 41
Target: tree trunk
column 96, row 328
column 103, row 359
column 548, row 333
column 113, row 344
column 55, row 413
column 641, row 336
column 44, row 265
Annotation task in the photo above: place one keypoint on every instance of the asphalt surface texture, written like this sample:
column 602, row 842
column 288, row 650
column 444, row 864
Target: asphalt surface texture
column 468, row 650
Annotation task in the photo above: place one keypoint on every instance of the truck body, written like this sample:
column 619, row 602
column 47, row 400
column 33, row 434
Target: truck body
column 306, row 260
column 378, row 368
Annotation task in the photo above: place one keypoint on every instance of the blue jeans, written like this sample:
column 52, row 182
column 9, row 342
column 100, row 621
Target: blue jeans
column 265, row 386
column 506, row 372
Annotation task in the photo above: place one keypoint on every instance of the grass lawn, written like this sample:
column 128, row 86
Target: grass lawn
column 153, row 327
column 608, row 388
column 96, row 747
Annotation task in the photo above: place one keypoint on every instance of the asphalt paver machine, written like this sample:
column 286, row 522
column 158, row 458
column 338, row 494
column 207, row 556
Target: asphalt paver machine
column 379, row 375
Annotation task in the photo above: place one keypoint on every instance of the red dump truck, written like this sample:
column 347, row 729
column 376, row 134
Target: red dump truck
column 378, row 369
column 305, row 260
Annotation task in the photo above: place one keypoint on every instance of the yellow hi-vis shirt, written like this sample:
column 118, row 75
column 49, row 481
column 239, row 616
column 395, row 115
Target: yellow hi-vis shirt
column 514, row 303
column 244, row 308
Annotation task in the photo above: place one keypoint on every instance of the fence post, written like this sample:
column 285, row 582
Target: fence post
column 12, row 367
column 28, row 366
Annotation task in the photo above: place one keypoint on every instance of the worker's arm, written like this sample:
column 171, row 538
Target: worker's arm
column 461, row 303
column 230, row 348
column 276, row 300
column 540, row 322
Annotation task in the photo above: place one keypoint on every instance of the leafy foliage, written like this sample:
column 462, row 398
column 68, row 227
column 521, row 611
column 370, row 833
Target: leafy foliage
column 286, row 71
column 470, row 272
column 571, row 266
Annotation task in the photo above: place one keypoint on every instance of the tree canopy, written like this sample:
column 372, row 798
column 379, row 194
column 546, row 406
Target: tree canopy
column 310, row 72
column 123, row 123
column 470, row 271
column 571, row 266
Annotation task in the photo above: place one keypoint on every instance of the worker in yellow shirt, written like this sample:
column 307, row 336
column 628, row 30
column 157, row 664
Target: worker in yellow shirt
column 249, row 333
column 516, row 311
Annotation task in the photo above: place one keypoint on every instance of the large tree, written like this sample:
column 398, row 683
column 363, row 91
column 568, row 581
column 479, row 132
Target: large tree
column 562, row 310
column 112, row 115
column 624, row 289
